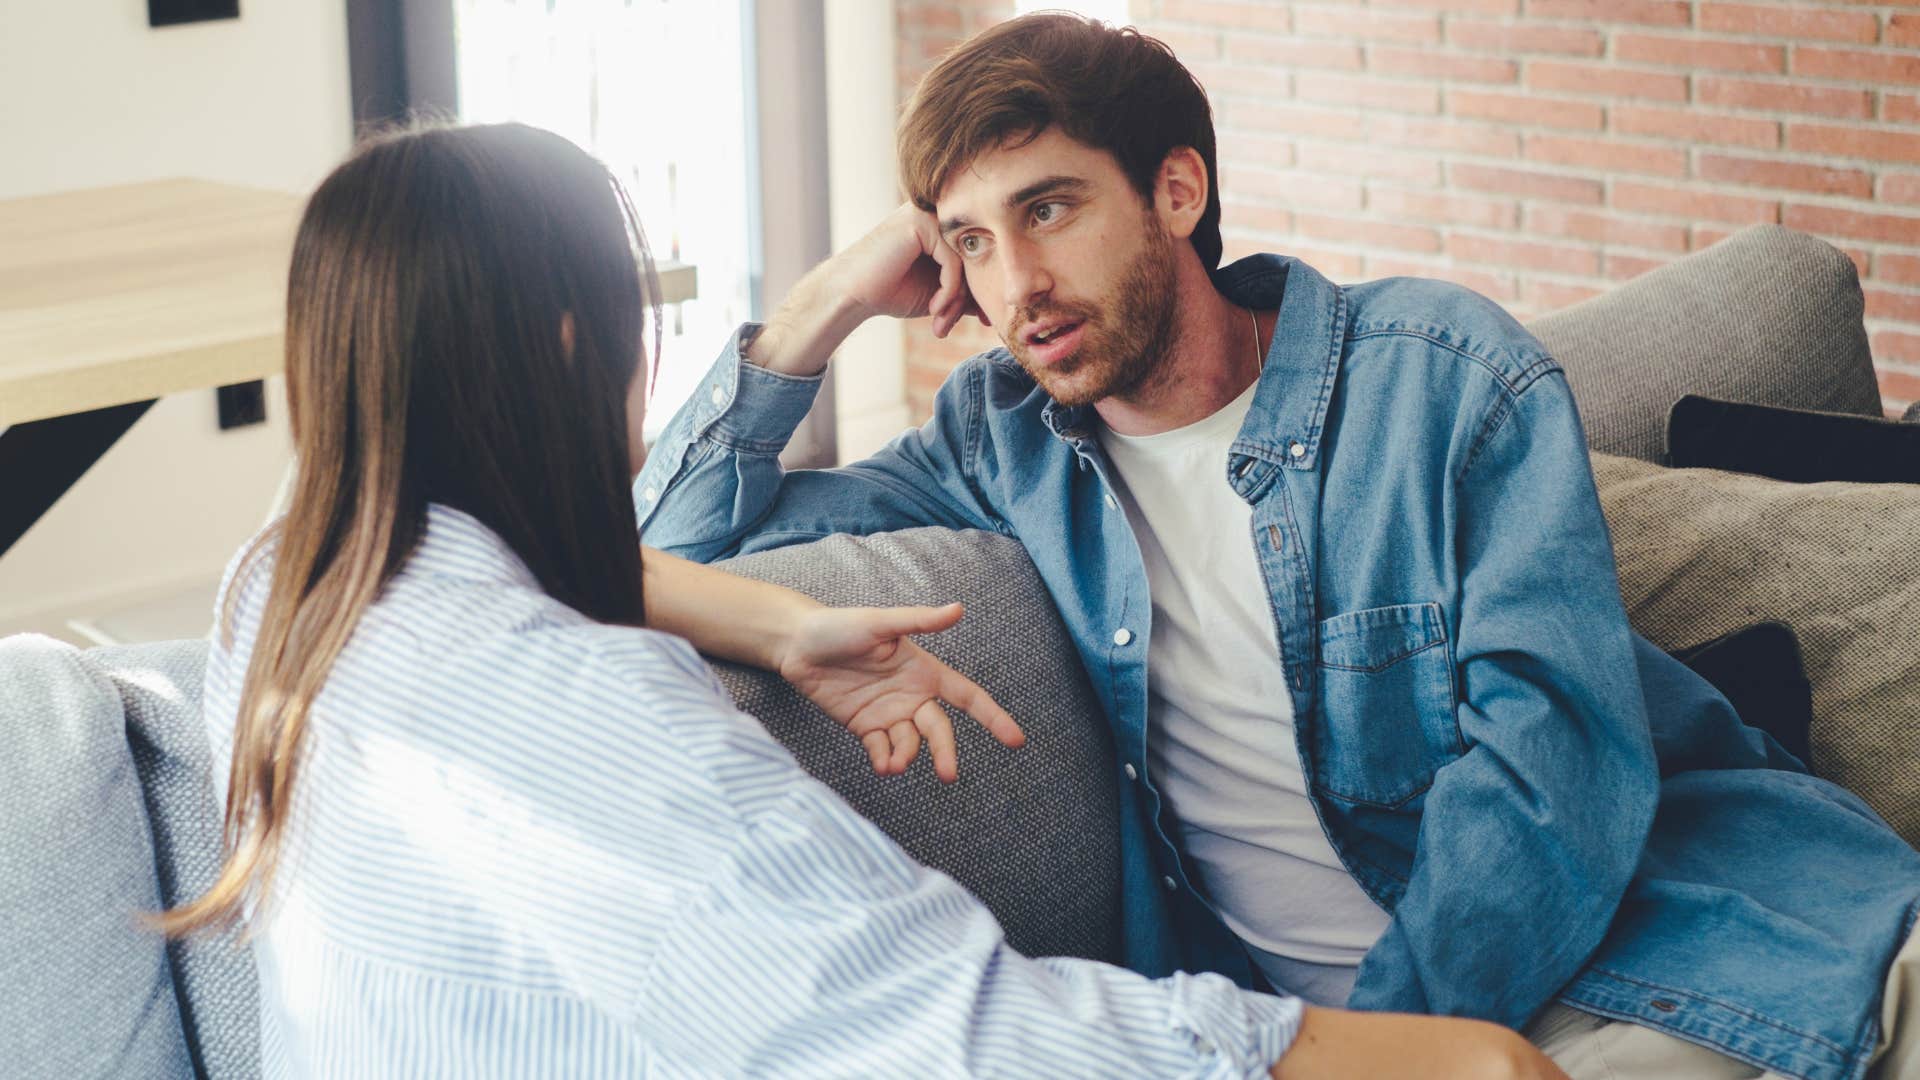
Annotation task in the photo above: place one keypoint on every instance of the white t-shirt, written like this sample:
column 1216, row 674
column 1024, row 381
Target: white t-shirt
column 1220, row 734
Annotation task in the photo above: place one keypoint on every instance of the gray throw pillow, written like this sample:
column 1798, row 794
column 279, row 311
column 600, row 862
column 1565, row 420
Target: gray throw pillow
column 87, row 991
column 216, row 983
column 1032, row 832
column 1702, row 553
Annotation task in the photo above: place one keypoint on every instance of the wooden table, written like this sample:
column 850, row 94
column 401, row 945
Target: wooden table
column 112, row 297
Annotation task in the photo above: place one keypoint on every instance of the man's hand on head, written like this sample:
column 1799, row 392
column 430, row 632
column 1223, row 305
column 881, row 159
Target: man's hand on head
column 900, row 269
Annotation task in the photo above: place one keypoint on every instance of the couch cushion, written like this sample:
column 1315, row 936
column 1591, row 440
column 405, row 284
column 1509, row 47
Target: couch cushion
column 1770, row 316
column 217, row 986
column 1032, row 832
column 87, row 991
column 1702, row 553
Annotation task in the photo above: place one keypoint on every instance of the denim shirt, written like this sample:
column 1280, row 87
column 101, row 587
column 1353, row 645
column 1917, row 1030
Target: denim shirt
column 1546, row 806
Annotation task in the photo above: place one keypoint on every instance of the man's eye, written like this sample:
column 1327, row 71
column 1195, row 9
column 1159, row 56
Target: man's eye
column 969, row 245
column 1046, row 212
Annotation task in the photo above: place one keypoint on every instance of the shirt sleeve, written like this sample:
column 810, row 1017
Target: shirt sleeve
column 713, row 485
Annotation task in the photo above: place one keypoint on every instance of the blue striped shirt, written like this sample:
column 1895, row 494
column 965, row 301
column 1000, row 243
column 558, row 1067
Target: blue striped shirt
column 526, row 844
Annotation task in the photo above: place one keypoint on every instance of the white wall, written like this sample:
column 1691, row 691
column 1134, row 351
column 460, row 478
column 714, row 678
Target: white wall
column 870, row 393
column 93, row 96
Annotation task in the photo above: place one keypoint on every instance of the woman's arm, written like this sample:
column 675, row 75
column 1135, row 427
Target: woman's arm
column 725, row 616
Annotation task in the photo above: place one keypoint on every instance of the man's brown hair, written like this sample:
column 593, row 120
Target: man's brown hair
column 1112, row 89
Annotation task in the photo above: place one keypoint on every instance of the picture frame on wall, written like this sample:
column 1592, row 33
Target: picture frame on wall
column 176, row 12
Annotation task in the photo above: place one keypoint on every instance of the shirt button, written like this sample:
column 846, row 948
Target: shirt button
column 719, row 396
column 1111, row 501
column 1297, row 449
column 1169, row 883
column 649, row 494
column 1132, row 773
column 1122, row 636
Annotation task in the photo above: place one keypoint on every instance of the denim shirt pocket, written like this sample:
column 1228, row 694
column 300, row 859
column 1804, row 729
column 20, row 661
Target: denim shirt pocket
column 1387, row 720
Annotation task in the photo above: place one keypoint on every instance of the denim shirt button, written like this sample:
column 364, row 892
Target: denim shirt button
column 1112, row 502
column 1169, row 883
column 1122, row 636
column 649, row 494
column 1297, row 449
column 1663, row 1005
column 1132, row 773
column 719, row 396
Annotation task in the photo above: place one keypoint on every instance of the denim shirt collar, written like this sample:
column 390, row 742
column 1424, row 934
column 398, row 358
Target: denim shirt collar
column 1290, row 408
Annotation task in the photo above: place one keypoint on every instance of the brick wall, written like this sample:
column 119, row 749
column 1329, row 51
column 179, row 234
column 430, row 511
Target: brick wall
column 1539, row 151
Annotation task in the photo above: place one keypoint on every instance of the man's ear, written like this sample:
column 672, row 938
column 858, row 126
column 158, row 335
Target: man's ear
column 1180, row 191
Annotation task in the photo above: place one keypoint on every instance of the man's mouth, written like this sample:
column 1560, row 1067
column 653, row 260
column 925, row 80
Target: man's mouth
column 1051, row 342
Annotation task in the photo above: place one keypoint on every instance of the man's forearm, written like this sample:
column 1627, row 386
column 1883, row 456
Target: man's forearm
column 802, row 335
column 724, row 616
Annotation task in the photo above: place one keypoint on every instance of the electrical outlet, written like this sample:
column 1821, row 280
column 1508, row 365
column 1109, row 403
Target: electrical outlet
column 242, row 404
column 175, row 12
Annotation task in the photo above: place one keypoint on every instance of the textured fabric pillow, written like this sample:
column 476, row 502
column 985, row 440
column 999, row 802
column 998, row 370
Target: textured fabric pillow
column 84, row 990
column 1800, row 445
column 1702, row 553
column 1033, row 832
column 214, row 977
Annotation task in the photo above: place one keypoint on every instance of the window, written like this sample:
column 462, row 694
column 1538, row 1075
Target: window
column 657, row 90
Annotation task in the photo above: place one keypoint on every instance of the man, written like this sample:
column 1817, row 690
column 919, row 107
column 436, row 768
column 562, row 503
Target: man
column 1335, row 564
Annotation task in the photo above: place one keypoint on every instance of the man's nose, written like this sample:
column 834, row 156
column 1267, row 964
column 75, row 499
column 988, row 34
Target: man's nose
column 1026, row 276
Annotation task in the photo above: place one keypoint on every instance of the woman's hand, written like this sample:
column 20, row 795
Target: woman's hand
column 860, row 666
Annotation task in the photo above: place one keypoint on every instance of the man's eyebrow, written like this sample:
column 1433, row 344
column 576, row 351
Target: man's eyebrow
column 1050, row 185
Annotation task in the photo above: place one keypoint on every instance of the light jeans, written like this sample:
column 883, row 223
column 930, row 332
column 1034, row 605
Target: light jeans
column 1592, row 1047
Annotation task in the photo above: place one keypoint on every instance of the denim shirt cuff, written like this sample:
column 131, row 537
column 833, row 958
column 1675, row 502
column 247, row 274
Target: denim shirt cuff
column 746, row 407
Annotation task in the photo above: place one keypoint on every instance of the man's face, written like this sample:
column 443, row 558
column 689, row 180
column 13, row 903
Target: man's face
column 1071, row 264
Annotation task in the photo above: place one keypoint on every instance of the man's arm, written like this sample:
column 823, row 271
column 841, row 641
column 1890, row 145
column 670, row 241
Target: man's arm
column 714, row 485
column 1547, row 812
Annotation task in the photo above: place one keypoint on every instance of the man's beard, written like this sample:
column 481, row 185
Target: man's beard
column 1128, row 334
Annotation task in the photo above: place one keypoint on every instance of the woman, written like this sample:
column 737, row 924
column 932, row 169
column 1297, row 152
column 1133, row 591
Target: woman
column 481, row 821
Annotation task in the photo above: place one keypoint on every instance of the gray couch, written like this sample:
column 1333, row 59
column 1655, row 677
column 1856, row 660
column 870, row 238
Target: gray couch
column 105, row 780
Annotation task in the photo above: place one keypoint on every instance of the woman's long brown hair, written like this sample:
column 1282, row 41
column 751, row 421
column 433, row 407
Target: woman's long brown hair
column 426, row 363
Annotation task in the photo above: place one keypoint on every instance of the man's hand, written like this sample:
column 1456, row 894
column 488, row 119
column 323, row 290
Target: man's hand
column 1388, row 1046
column 901, row 269
column 860, row 666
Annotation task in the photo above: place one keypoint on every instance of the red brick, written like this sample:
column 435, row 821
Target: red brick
column 1897, row 269
column 1261, row 151
column 1601, row 227
column 1245, row 182
column 1622, row 267
column 1649, row 12
column 1688, row 51
column 1476, row 7
column 1404, row 27
column 1894, row 306
column 1225, row 80
column 930, row 18
column 1523, row 254
column 1552, row 295
column 1898, row 347
column 1782, row 97
column 1338, row 265
column 1525, row 109
column 1252, row 16
column 1861, row 142
column 1368, row 234
column 1765, row 172
column 1693, row 204
column 1249, row 217
column 1797, row 23
column 1286, row 119
column 1604, row 80
column 1858, row 225
column 1526, row 184
column 1443, row 208
column 1898, row 389
column 1695, row 127
column 1606, row 155
column 1293, row 52
column 1190, row 44
column 1479, row 140
column 1856, row 65
column 1302, row 190
column 1347, row 159
column 1508, row 40
column 1705, row 236
column 1900, row 108
column 1425, row 64
column 1372, row 93
column 1902, row 30
column 1900, row 188
column 1492, row 285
